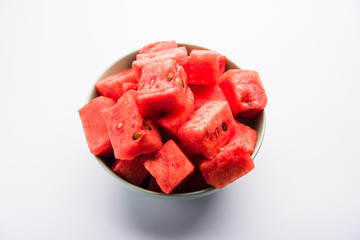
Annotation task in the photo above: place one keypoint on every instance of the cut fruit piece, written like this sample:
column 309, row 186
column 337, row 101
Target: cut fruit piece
column 232, row 162
column 93, row 122
column 162, row 87
column 204, row 94
column 170, row 168
column 175, row 53
column 130, row 134
column 112, row 86
column 179, row 54
column 158, row 46
column 246, row 136
column 208, row 130
column 172, row 121
column 132, row 171
column 244, row 91
column 203, row 67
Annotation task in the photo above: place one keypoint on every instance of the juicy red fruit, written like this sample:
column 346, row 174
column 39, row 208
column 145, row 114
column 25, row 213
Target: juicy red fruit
column 92, row 119
column 158, row 46
column 132, row 171
column 128, row 86
column 180, row 55
column 171, row 168
column 245, row 136
column 209, row 129
column 130, row 134
column 232, row 162
column 204, row 94
column 162, row 87
column 244, row 91
column 203, row 67
column 112, row 86
column 172, row 121
column 193, row 100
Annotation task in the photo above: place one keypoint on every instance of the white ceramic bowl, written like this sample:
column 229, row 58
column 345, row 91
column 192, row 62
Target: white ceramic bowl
column 124, row 63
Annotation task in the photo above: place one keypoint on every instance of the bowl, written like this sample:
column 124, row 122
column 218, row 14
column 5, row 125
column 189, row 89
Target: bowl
column 258, row 123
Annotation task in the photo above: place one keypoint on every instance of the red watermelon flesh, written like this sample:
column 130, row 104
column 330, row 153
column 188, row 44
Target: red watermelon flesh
column 203, row 67
column 162, row 87
column 244, row 91
column 175, row 53
column 153, row 186
column 129, row 85
column 203, row 94
column 196, row 183
column 93, row 122
column 180, row 55
column 158, row 46
column 130, row 134
column 222, row 64
column 132, row 171
column 112, row 86
column 173, row 120
column 171, row 168
column 232, row 162
column 246, row 136
column 209, row 129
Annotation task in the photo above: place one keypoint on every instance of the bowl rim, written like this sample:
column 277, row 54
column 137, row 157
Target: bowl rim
column 174, row 196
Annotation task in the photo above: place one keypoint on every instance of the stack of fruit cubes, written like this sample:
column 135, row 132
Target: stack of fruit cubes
column 169, row 122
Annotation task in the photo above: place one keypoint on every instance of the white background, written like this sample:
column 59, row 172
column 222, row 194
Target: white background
column 306, row 181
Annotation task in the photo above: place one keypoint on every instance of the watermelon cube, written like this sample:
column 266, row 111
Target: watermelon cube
column 180, row 55
column 171, row 168
column 172, row 121
column 112, row 86
column 232, row 162
column 162, row 87
column 130, row 134
column 244, row 91
column 246, row 136
column 132, row 171
column 203, row 67
column 158, row 46
column 208, row 130
column 203, row 94
column 93, row 122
